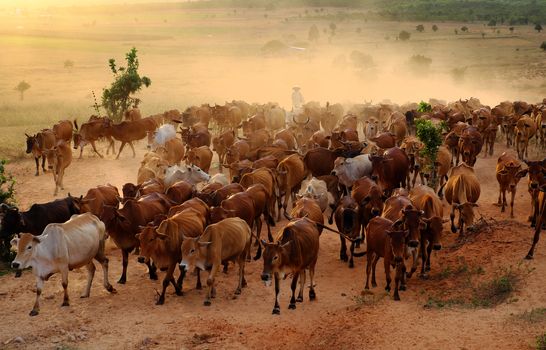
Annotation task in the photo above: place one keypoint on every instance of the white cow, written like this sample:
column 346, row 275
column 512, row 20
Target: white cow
column 316, row 189
column 348, row 170
column 190, row 173
column 60, row 248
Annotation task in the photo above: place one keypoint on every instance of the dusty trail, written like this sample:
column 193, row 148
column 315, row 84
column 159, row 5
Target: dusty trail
column 340, row 318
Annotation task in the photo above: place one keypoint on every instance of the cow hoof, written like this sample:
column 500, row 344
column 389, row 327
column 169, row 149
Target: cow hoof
column 18, row 273
column 423, row 276
column 83, row 296
column 427, row 269
column 292, row 306
column 34, row 313
column 122, row 281
column 312, row 295
column 351, row 264
column 453, row 229
column 388, row 289
column 276, row 311
column 343, row 257
column 207, row 303
column 299, row 299
column 111, row 289
column 198, row 286
column 36, row 174
column 65, row 303
column 402, row 288
column 179, row 293
column 153, row 277
column 374, row 285
column 529, row 257
column 238, row 291
column 160, row 301
column 396, row 298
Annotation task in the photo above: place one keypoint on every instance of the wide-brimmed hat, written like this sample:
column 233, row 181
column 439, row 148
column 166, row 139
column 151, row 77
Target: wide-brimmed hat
column 296, row 88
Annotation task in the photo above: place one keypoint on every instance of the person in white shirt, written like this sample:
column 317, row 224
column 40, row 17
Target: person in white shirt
column 297, row 99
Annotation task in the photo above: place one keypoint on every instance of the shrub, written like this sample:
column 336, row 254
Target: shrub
column 127, row 81
column 492, row 23
column 420, row 28
column 360, row 60
column 419, row 63
column 404, row 35
column 22, row 87
column 431, row 137
column 464, row 29
column 7, row 191
column 274, row 47
column 543, row 45
column 435, row 27
column 541, row 342
column 538, row 27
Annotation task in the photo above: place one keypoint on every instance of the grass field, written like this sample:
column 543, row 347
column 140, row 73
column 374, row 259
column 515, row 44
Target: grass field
column 198, row 56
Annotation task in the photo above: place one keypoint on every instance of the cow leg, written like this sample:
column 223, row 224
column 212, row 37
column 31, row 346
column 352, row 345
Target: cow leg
column 279, row 207
column 133, row 148
column 293, row 286
column 374, row 265
column 95, row 149
column 402, row 276
column 513, row 194
column 415, row 261
column 343, row 250
column 241, row 262
column 103, row 260
column 387, row 274
column 499, row 202
column 423, row 248
column 125, row 256
column 166, row 281
column 39, row 286
column 120, row 149
column 352, row 251
column 369, row 261
column 152, row 270
column 181, row 277
column 81, row 152
column 37, row 165
column 415, row 173
column 538, row 228
column 461, row 226
column 210, row 283
column 90, row 274
column 277, row 308
column 312, row 294
column 299, row 299
column 429, row 253
column 503, row 206
column 64, row 277
column 452, row 218
column 398, row 278
column 198, row 285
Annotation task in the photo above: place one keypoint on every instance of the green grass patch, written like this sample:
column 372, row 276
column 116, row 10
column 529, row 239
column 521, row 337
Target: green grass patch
column 541, row 342
column 497, row 290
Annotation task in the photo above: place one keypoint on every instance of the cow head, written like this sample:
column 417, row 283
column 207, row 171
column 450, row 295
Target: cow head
column 466, row 213
column 25, row 246
column 196, row 175
column 12, row 221
column 434, row 226
column 397, row 239
column 31, row 141
column 275, row 255
column 194, row 253
column 513, row 173
column 411, row 218
column 537, row 173
column 374, row 201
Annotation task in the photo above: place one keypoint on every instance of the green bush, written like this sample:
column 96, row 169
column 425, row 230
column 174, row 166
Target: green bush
column 127, row 81
column 541, row 342
column 7, row 191
column 543, row 45
column 404, row 35
column 431, row 137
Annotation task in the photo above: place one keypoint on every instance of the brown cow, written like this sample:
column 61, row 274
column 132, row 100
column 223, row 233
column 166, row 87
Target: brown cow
column 412, row 146
column 289, row 173
column 265, row 177
column 39, row 145
column 63, row 130
column 59, row 158
column 227, row 240
column 179, row 192
column 540, row 219
column 221, row 143
column 384, row 140
column 307, row 207
column 260, row 196
column 200, row 157
column 347, row 216
column 123, row 224
column 287, row 136
column 195, row 203
column 462, row 191
column 128, row 132
column 537, row 178
column 385, row 240
column 214, row 198
column 132, row 114
column 526, row 129
column 508, row 173
column 172, row 152
column 391, row 169
column 470, row 145
column 424, row 198
column 370, row 199
column 238, row 151
column 295, row 250
column 97, row 197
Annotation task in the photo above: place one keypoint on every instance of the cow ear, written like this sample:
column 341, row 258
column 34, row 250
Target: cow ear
column 503, row 172
column 137, row 236
column 423, row 225
column 36, row 239
column 264, row 243
column 161, row 236
column 522, row 173
column 475, row 205
column 14, row 242
column 285, row 245
column 204, row 244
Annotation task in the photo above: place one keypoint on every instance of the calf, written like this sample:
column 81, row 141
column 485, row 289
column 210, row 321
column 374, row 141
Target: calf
column 227, row 240
column 60, row 248
column 96, row 198
column 307, row 207
column 318, row 190
column 59, row 158
column 462, row 191
column 191, row 174
column 537, row 178
column 391, row 169
column 385, row 240
column 39, row 145
column 295, row 250
column 526, row 129
column 347, row 217
column 508, row 173
column 90, row 132
column 370, row 200
column 200, row 157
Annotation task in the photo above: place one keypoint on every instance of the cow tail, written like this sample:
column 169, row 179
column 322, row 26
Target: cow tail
column 259, row 251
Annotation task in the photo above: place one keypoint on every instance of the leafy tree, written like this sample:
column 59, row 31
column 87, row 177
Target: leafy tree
column 456, row 31
column 22, row 87
column 483, row 35
column 424, row 107
column 431, row 137
column 492, row 23
column 543, row 45
column 127, row 81
column 511, row 30
column 314, row 33
column 68, row 64
column 434, row 27
column 538, row 27
column 420, row 28
column 404, row 35
column 464, row 29
column 7, row 191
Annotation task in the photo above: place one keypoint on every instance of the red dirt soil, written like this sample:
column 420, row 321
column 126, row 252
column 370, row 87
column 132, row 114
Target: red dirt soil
column 340, row 318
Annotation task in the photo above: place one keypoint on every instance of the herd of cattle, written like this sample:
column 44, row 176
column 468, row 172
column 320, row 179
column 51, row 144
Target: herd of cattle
column 353, row 166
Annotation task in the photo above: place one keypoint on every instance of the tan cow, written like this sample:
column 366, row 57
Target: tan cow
column 59, row 158
column 526, row 129
column 290, row 173
column 508, row 173
column 462, row 191
column 200, row 157
column 227, row 240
